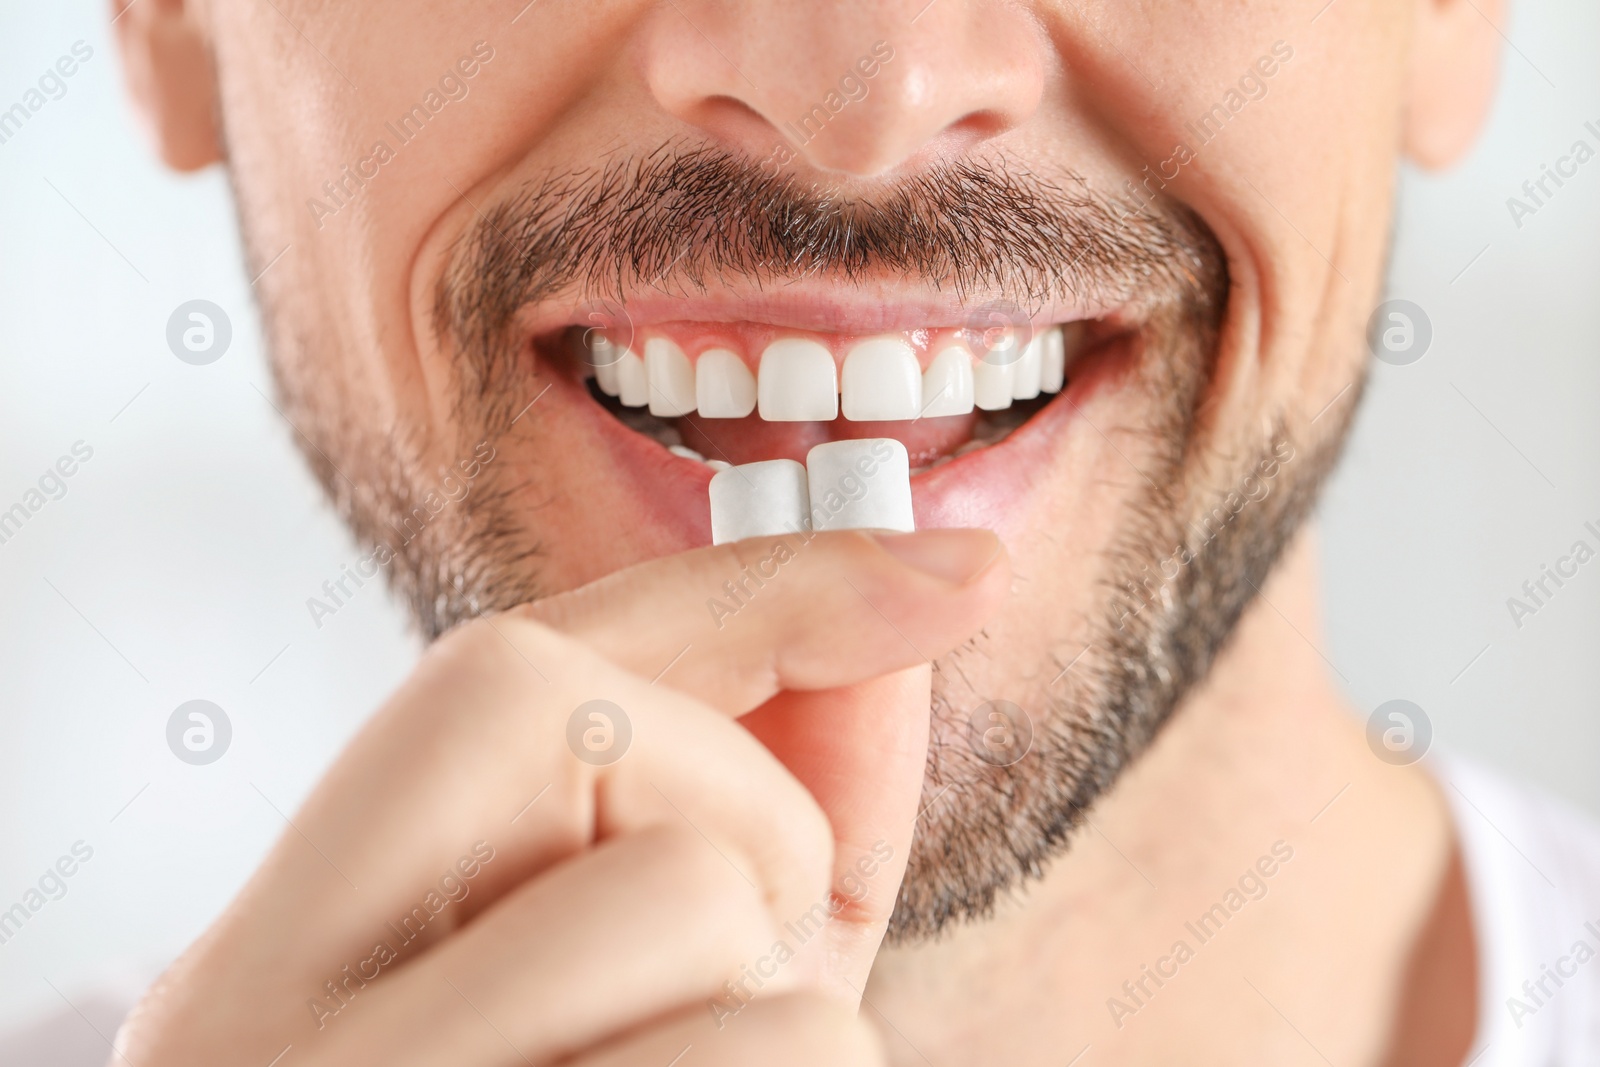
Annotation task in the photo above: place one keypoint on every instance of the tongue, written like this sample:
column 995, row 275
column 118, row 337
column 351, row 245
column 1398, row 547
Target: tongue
column 751, row 439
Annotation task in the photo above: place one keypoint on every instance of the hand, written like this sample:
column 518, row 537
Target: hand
column 462, row 889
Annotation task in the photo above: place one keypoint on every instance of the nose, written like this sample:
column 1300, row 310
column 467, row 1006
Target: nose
column 850, row 86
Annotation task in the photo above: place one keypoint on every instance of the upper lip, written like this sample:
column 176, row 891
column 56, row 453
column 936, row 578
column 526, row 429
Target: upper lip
column 817, row 305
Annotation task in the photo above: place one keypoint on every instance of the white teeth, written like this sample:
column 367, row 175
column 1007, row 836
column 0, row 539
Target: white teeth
column 603, row 358
column 881, row 381
column 759, row 500
column 991, row 382
column 947, row 383
column 797, row 382
column 719, row 464
column 860, row 485
column 686, row 452
column 633, row 386
column 1053, row 361
column 1025, row 374
column 724, row 386
column 671, row 378
column 844, row 485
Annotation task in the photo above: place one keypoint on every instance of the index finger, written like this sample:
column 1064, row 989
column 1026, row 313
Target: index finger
column 735, row 624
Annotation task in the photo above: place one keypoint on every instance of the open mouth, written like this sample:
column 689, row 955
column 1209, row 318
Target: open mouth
column 704, row 396
column 728, row 396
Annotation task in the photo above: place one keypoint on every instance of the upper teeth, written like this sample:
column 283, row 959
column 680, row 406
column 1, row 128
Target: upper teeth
column 880, row 381
column 799, row 381
column 1025, row 377
column 723, row 385
column 670, row 378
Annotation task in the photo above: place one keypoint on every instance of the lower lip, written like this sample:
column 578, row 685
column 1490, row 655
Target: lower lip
column 987, row 488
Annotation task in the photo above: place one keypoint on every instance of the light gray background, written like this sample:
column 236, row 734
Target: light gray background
column 179, row 562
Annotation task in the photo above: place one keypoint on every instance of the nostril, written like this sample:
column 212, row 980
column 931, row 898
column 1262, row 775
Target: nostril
column 978, row 126
column 731, row 106
column 733, row 122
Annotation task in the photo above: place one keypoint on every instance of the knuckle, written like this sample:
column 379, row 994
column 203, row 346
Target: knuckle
column 488, row 644
column 696, row 868
column 484, row 667
column 718, row 902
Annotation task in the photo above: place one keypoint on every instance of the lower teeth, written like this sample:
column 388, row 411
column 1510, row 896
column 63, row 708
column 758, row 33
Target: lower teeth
column 684, row 452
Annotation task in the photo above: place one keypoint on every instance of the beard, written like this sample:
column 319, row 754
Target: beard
column 1207, row 520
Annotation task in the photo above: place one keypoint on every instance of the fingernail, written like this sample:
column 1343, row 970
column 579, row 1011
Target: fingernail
column 956, row 556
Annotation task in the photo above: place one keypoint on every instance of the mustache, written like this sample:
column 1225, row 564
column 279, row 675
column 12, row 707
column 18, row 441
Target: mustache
column 681, row 219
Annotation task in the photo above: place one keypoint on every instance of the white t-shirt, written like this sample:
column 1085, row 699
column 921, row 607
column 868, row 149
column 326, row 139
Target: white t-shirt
column 1533, row 873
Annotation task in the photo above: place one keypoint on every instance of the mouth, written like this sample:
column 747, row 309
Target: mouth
column 978, row 408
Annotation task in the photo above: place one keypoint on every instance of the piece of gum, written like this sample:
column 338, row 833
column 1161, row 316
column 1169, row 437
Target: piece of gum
column 759, row 500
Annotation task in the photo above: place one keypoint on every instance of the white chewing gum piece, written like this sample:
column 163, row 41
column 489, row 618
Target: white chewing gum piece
column 724, row 386
column 881, row 381
column 671, row 376
column 603, row 358
column 1053, row 361
column 860, row 485
column 759, row 500
column 991, row 382
column 947, row 383
column 633, row 386
column 797, row 382
column 1025, row 374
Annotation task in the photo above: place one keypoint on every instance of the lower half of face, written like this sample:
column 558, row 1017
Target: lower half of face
column 585, row 435
column 1119, row 382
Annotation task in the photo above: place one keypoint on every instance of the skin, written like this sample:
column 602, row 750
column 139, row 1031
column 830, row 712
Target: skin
column 604, row 923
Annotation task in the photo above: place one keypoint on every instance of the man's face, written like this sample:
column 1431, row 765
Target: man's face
column 446, row 197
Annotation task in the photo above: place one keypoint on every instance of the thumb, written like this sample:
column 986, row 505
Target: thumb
column 861, row 751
